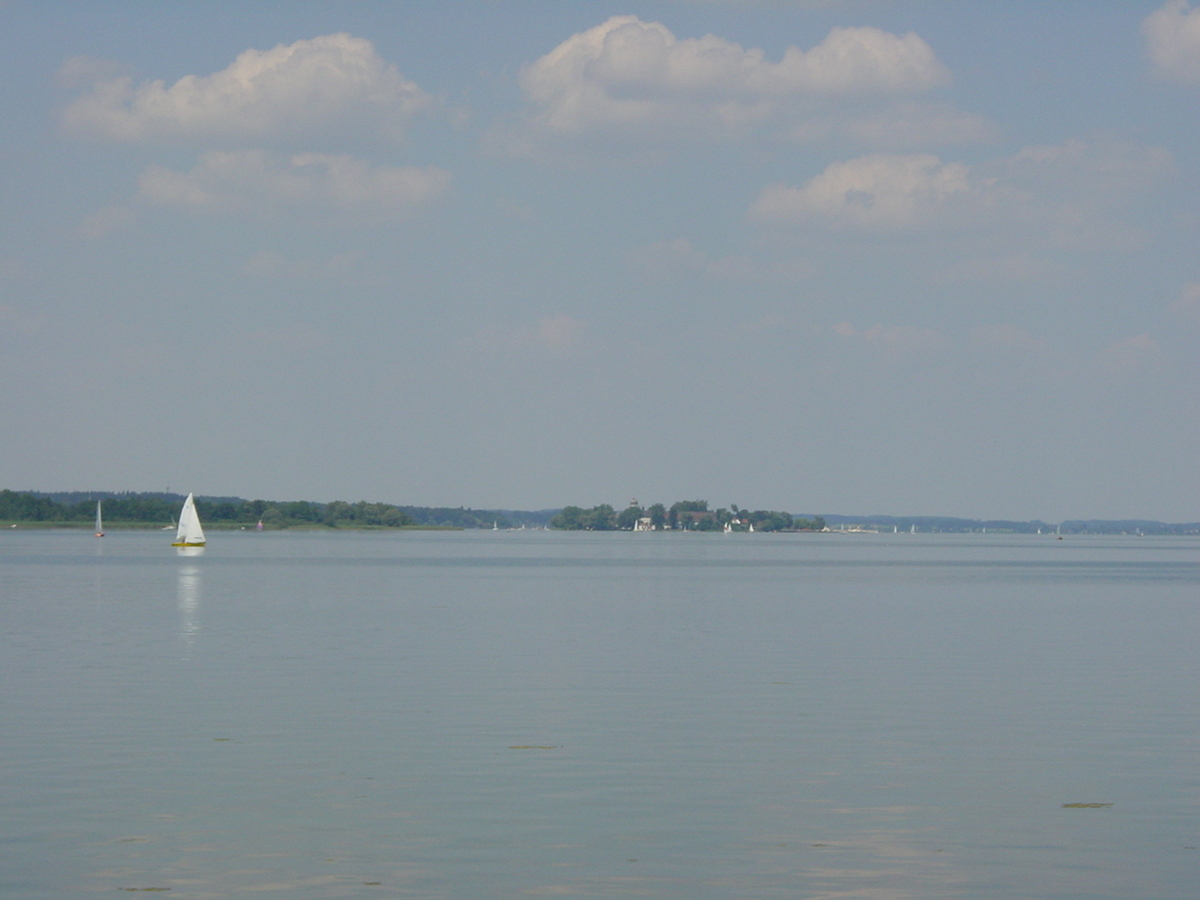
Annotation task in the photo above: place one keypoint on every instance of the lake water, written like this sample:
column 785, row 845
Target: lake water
column 537, row 714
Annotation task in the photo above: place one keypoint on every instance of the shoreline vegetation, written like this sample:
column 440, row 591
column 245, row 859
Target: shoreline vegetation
column 684, row 515
column 146, row 510
column 129, row 510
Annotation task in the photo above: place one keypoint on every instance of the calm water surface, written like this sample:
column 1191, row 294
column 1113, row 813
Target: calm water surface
column 538, row 714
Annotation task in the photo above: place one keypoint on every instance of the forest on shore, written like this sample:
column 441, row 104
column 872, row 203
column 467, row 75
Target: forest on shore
column 74, row 509
column 145, row 510
column 683, row 515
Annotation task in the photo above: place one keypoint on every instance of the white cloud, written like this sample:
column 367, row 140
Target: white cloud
column 879, row 192
column 313, row 184
column 1067, row 195
column 1172, row 35
column 627, row 74
column 309, row 87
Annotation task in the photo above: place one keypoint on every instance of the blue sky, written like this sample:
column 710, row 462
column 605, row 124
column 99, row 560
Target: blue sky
column 860, row 257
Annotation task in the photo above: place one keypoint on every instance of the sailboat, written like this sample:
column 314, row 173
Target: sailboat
column 189, row 534
column 99, row 524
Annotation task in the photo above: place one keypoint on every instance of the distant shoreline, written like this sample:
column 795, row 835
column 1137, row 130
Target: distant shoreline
column 9, row 525
column 131, row 527
column 150, row 511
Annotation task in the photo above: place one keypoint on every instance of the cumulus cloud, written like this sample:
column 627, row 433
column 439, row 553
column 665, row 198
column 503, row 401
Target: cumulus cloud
column 1069, row 195
column 301, row 89
column 312, row 184
column 626, row 74
column 1172, row 34
column 880, row 192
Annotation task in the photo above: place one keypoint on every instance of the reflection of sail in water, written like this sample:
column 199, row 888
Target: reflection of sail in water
column 189, row 603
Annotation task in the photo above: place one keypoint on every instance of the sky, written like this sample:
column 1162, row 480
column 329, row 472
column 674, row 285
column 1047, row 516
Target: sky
column 907, row 257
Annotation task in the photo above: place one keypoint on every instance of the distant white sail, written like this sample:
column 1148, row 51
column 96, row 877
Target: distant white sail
column 189, row 534
column 99, row 524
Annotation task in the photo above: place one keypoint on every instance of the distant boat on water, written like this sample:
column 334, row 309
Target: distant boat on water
column 189, row 533
column 99, row 523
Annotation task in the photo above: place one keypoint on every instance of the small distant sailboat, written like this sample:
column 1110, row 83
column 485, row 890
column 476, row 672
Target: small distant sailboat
column 189, row 533
column 99, row 523
column 258, row 527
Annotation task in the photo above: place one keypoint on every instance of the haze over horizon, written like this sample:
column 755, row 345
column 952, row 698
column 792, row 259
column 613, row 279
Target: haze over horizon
column 867, row 257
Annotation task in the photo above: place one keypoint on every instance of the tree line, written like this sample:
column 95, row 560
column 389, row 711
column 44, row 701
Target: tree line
column 145, row 509
column 163, row 509
column 684, row 515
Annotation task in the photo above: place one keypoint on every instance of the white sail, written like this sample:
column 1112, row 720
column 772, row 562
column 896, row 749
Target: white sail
column 189, row 534
column 99, row 524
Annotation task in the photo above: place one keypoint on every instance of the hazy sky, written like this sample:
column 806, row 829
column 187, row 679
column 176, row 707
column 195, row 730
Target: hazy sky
column 855, row 257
